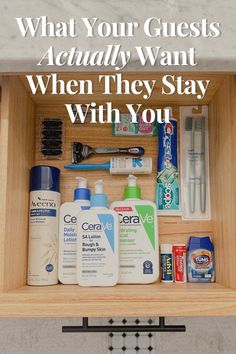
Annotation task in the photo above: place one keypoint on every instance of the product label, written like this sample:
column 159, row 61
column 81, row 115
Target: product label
column 201, row 263
column 131, row 165
column 167, row 266
column 68, row 241
column 147, row 267
column 43, row 237
column 97, row 255
column 167, row 195
column 180, row 263
column 43, row 212
column 138, row 253
column 126, row 127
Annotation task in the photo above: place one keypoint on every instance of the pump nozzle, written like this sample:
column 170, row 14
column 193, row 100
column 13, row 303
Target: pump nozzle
column 82, row 182
column 132, row 190
column 132, row 181
column 81, row 192
column 99, row 186
column 99, row 199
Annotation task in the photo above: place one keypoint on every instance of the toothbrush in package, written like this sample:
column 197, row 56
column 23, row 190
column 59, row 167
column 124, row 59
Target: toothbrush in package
column 194, row 149
column 202, row 127
column 195, row 125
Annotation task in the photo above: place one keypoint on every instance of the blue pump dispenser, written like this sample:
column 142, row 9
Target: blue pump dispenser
column 82, row 192
column 99, row 199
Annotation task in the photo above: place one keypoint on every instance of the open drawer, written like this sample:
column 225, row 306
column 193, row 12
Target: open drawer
column 19, row 151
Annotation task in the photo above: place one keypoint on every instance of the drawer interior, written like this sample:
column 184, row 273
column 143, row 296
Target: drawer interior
column 20, row 150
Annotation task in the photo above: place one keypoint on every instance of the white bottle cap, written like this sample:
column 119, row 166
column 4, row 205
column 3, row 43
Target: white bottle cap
column 166, row 247
column 132, row 181
column 99, row 186
column 82, row 182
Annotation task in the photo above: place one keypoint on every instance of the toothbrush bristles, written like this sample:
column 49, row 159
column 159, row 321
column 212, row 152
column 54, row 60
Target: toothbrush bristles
column 200, row 123
column 189, row 121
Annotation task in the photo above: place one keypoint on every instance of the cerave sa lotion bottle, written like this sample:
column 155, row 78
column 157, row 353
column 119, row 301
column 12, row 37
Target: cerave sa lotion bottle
column 139, row 246
column 68, row 228
column 98, row 242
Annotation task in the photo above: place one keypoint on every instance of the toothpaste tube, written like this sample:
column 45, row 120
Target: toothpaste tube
column 179, row 252
column 167, row 190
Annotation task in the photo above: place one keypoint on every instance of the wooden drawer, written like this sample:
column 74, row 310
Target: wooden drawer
column 19, row 151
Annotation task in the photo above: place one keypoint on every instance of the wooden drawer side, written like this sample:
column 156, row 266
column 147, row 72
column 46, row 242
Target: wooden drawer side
column 223, row 169
column 16, row 156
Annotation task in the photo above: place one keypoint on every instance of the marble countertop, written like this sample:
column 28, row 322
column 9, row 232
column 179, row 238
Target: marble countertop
column 22, row 54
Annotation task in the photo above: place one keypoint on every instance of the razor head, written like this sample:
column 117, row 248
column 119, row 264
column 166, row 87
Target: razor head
column 76, row 150
column 80, row 152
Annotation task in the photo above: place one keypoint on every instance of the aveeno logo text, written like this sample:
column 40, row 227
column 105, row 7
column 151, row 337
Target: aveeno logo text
column 43, row 204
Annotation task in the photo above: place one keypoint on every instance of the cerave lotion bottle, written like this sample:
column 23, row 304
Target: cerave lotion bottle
column 43, row 225
column 68, row 226
column 139, row 246
column 98, row 242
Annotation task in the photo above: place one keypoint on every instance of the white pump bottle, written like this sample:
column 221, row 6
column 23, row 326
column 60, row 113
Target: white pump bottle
column 139, row 247
column 98, row 242
column 67, row 272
